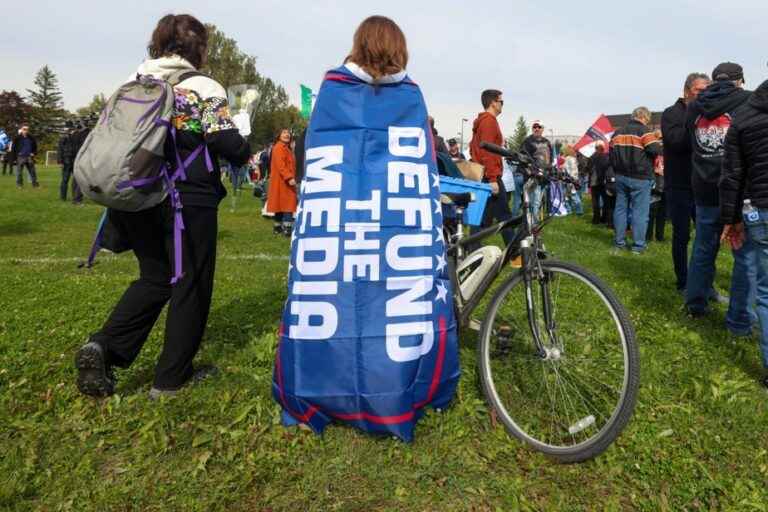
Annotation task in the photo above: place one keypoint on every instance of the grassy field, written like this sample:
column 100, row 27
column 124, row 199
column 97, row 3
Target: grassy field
column 698, row 439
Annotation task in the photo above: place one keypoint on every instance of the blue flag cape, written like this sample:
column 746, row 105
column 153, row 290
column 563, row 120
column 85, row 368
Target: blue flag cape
column 368, row 334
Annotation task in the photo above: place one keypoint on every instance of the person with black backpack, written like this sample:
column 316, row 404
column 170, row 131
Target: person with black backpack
column 165, row 237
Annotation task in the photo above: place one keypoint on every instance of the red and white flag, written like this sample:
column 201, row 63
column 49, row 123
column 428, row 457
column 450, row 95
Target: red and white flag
column 601, row 130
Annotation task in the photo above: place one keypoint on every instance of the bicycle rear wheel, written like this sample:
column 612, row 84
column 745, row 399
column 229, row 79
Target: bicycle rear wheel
column 572, row 399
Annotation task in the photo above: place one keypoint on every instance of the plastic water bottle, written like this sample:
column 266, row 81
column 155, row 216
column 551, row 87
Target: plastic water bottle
column 750, row 212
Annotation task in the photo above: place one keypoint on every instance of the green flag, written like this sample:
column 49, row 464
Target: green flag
column 306, row 101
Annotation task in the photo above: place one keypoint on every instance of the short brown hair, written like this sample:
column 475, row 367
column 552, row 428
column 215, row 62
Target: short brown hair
column 182, row 35
column 489, row 96
column 379, row 47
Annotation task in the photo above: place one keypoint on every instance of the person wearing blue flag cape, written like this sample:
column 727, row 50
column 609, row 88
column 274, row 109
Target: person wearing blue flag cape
column 368, row 334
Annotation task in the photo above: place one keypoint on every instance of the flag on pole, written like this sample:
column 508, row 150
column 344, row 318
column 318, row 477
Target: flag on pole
column 601, row 130
column 306, row 101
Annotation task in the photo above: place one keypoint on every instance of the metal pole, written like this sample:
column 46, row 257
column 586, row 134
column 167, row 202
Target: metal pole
column 463, row 120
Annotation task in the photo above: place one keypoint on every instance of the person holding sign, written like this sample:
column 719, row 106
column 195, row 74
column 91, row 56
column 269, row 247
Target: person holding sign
column 368, row 335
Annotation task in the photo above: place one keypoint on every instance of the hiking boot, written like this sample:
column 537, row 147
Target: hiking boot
column 95, row 377
column 277, row 229
column 198, row 375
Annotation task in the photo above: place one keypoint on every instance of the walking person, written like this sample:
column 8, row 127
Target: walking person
column 677, row 174
column 282, row 198
column 707, row 120
column 486, row 129
column 67, row 155
column 633, row 149
column 745, row 175
column 177, row 49
column 25, row 149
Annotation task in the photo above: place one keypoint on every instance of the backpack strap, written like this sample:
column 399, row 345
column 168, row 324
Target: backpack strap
column 181, row 75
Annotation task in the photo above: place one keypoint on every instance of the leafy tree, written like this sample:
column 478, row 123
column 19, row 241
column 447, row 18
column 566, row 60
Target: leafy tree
column 46, row 100
column 271, row 111
column 13, row 112
column 515, row 142
column 96, row 105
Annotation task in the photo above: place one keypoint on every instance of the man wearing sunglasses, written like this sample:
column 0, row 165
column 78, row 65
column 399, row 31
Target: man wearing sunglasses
column 486, row 129
column 539, row 147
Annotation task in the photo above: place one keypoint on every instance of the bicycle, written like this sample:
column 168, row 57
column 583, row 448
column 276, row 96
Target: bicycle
column 558, row 359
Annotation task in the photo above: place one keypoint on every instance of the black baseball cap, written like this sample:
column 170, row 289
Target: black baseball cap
column 728, row 71
column 452, row 142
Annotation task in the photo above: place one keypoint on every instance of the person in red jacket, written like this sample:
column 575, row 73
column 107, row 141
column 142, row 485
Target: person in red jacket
column 486, row 129
column 282, row 199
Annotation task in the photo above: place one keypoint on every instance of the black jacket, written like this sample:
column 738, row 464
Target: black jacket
column 707, row 122
column 677, row 147
column 633, row 149
column 539, row 148
column 599, row 169
column 67, row 150
column 745, row 163
column 17, row 144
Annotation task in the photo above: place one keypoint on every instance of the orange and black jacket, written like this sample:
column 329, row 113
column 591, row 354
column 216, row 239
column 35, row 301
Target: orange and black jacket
column 633, row 149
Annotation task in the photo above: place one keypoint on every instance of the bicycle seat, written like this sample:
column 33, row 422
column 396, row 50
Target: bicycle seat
column 460, row 200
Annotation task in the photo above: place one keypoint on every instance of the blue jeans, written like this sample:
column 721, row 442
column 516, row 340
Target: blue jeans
column 757, row 236
column 574, row 201
column 517, row 195
column 701, row 272
column 635, row 194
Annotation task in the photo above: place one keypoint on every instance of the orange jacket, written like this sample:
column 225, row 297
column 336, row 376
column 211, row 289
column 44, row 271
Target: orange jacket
column 281, row 197
column 486, row 129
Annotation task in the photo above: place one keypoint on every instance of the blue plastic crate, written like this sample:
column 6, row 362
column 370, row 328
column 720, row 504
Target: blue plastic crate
column 473, row 215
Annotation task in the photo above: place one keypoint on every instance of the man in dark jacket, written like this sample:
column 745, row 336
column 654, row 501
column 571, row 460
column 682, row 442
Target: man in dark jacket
column 633, row 149
column 602, row 207
column 745, row 175
column 707, row 122
column 78, row 139
column 25, row 149
column 677, row 174
column 539, row 147
column 67, row 160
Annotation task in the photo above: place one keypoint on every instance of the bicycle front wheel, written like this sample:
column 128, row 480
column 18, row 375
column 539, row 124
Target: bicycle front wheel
column 573, row 392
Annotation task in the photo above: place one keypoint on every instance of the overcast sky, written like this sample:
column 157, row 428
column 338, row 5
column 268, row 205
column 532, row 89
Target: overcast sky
column 563, row 62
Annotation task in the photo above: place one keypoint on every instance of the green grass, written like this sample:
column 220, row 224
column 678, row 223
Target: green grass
column 698, row 439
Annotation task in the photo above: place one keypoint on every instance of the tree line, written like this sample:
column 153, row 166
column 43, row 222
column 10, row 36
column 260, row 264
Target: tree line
column 43, row 107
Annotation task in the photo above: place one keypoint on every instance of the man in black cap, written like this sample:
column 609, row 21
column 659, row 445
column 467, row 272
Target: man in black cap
column 455, row 151
column 708, row 120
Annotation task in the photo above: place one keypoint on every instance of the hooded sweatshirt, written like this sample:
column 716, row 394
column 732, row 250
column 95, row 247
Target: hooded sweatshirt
column 707, row 122
column 745, row 164
column 201, row 115
column 486, row 129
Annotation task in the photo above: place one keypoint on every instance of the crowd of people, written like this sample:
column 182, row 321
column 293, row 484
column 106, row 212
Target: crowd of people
column 706, row 165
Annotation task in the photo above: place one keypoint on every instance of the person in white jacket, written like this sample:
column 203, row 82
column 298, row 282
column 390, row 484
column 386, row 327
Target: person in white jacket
column 571, row 166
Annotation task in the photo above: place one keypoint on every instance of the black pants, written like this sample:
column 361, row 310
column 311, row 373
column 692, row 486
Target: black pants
column 496, row 210
column 67, row 169
column 657, row 219
column 682, row 211
column 150, row 234
column 599, row 204
column 7, row 165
